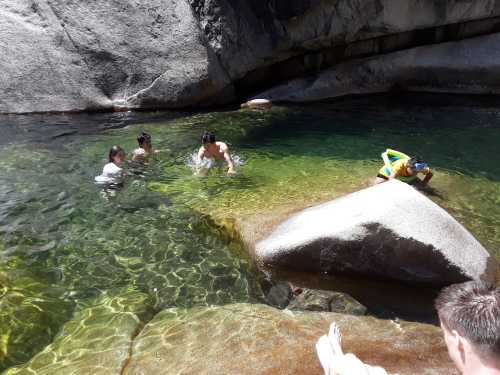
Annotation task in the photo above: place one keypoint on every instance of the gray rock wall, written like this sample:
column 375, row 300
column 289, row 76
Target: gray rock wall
column 70, row 55
column 60, row 55
column 250, row 34
column 469, row 66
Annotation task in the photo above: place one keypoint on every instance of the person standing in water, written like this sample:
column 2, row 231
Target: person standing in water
column 112, row 173
column 145, row 149
column 217, row 153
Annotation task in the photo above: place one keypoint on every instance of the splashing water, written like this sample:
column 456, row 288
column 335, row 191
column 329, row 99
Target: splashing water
column 200, row 166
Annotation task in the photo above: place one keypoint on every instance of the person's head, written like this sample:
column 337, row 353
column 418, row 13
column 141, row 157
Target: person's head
column 144, row 140
column 117, row 155
column 416, row 164
column 470, row 318
column 207, row 138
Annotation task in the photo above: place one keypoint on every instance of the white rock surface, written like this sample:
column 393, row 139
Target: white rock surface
column 388, row 231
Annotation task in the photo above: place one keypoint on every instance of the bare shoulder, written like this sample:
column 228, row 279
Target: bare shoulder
column 223, row 147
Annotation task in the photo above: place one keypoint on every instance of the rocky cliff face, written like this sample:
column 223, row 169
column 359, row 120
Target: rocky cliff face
column 69, row 55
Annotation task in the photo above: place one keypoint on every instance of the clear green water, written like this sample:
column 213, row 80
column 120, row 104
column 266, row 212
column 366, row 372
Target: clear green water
column 63, row 245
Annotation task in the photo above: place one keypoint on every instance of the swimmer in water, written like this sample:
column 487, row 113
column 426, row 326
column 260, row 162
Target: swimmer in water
column 112, row 173
column 145, row 149
column 404, row 168
column 216, row 152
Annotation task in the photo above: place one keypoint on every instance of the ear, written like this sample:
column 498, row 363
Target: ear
column 461, row 344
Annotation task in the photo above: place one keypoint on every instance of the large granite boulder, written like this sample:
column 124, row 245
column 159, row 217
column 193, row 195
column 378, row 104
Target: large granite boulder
column 447, row 67
column 69, row 55
column 258, row 339
column 58, row 55
column 248, row 35
column 389, row 231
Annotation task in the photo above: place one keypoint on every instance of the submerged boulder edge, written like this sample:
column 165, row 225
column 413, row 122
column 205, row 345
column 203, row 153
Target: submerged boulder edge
column 388, row 232
column 259, row 339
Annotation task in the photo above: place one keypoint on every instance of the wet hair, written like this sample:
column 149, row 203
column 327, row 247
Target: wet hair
column 473, row 310
column 208, row 137
column 115, row 150
column 144, row 137
column 414, row 160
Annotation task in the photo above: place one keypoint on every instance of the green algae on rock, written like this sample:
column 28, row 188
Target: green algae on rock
column 96, row 341
column 258, row 339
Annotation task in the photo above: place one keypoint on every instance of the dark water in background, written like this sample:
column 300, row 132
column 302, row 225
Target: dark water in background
column 63, row 243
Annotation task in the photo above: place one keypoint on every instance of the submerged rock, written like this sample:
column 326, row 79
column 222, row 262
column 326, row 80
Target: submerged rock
column 257, row 104
column 326, row 300
column 279, row 295
column 31, row 311
column 96, row 341
column 389, row 231
column 258, row 339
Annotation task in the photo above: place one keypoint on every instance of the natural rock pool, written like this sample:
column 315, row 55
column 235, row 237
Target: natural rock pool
column 102, row 266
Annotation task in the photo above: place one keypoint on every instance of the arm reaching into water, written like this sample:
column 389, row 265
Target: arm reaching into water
column 228, row 159
column 201, row 154
column 428, row 177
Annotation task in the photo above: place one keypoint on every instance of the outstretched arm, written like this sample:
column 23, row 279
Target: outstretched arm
column 428, row 177
column 385, row 158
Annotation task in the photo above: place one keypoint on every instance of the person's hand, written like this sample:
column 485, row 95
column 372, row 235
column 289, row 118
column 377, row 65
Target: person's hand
column 335, row 362
column 231, row 171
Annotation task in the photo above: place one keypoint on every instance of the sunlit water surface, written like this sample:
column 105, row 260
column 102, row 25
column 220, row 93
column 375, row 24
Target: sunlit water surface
column 64, row 243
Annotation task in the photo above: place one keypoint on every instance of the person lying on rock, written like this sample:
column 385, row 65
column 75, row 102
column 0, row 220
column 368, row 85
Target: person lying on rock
column 469, row 314
column 213, row 154
column 402, row 167
column 145, row 149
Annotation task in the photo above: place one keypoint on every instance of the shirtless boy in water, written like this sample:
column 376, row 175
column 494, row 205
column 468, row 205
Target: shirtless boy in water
column 216, row 151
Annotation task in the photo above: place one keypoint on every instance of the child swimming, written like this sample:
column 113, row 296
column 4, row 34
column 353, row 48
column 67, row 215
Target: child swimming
column 112, row 173
column 214, row 154
column 145, row 149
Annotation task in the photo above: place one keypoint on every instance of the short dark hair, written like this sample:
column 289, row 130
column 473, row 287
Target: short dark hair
column 115, row 150
column 208, row 137
column 473, row 310
column 414, row 160
column 144, row 137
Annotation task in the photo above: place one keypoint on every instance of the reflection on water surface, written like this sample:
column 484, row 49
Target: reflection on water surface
column 64, row 245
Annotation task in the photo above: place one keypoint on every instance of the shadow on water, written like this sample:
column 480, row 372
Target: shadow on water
column 385, row 300
column 47, row 129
